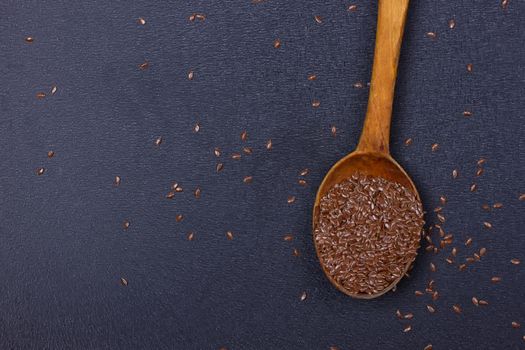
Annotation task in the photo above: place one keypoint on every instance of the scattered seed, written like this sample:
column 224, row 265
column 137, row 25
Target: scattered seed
column 477, row 257
column 304, row 172
column 454, row 251
column 318, row 19
column 40, row 95
column 123, row 281
column 487, row 225
column 454, row 174
column 441, row 218
column 158, row 141
column 431, row 35
column 141, row 21
column 504, row 4
column 435, row 147
column 479, row 171
column 197, row 127
column 125, row 224
column 456, row 309
column 481, row 161
column 408, row 316
column 236, row 156
column 247, row 150
column 462, row 267
column 407, row 329
column 352, row 8
column 316, row 103
column 178, row 189
column 428, row 347
column 217, row 152
column 438, row 209
column 515, row 324
column 277, row 43
column 303, row 296
column 467, row 113
column 219, row 167
column 190, row 75
column 144, row 66
column 179, row 217
column 229, row 235
column 497, row 205
column 431, row 309
column 29, row 39
column 40, row 171
column 432, row 267
column 418, row 293
column 485, row 207
column 449, row 261
column 333, row 130
column 291, row 199
column 473, row 187
column 54, row 90
column 312, row 77
column 296, row 252
column 192, row 17
column 522, row 197
column 483, row 302
column 495, row 279
column 200, row 17
column 358, row 85
column 482, row 251
column 288, row 238
column 469, row 67
column 302, row 182
column 515, row 261
column 470, row 260
column 50, row 154
column 247, row 179
column 451, row 23
column 475, row 301
column 197, row 193
column 269, row 144
column 408, row 141
column 443, row 200
column 190, row 236
column 170, row 195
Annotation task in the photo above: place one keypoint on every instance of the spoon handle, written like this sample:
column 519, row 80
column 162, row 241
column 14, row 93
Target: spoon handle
column 391, row 17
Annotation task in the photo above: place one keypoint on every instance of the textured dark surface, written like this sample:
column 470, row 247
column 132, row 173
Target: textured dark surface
column 62, row 246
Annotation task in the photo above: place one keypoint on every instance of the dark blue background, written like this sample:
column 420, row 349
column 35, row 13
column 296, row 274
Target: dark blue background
column 63, row 249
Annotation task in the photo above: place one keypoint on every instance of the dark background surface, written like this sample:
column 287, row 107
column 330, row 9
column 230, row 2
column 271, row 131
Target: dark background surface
column 63, row 249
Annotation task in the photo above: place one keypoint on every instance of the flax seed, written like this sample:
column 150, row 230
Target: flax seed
column 432, row 267
column 40, row 95
column 479, row 172
column 522, row 197
column 495, row 279
column 467, row 113
column 497, row 205
column 158, row 141
column 53, row 90
column 473, row 187
column 333, row 130
column 408, row 316
column 40, row 171
column 352, row 8
column 451, row 23
column 302, row 297
column 431, row 35
column 288, row 238
column 190, row 236
column 485, row 207
column 244, row 135
column 487, row 225
column 515, row 325
column 123, row 281
column 125, row 224
column 217, row 152
column 435, row 147
column 428, row 347
column 50, row 154
column 302, row 182
column 277, row 43
column 515, row 261
column 144, row 65
column 179, row 217
column 418, row 293
column 190, row 75
column 483, row 302
column 248, row 179
column 318, row 19
column 141, row 21
column 296, row 252
column 312, row 77
column 197, row 127
column 229, row 235
column 304, row 172
column 475, row 301
column 269, row 144
column 481, row 161
column 456, row 309
column 358, row 85
column 197, row 193
column 236, row 156
column 454, row 174
column 504, row 4
column 170, row 195
column 219, row 167
column 482, row 251
column 291, row 199
column 247, row 150
column 407, row 329
column 469, row 67
column 408, row 142
column 316, row 103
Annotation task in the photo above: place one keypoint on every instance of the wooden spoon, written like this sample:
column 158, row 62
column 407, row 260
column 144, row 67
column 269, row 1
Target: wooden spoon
column 372, row 156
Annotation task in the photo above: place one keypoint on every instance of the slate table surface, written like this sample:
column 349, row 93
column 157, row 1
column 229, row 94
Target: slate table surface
column 63, row 248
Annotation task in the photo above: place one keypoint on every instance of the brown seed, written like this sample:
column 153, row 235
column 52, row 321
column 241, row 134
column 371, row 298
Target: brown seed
column 481, row 161
column 515, row 324
column 482, row 251
column 125, row 224
column 117, row 181
column 229, row 235
column 418, row 293
column 334, row 348
column 277, row 43
column 190, row 236
column 468, row 241
column 179, row 217
column 53, row 90
column 269, row 144
column 190, row 75
column 483, row 302
column 515, row 261
column 428, row 347
column 141, row 21
column 291, row 199
column 29, row 39
column 438, row 209
column 219, row 167
column 443, row 200
column 477, row 257
column 454, row 251
column 449, row 261
column 451, row 23
column 200, row 17
column 475, row 301
column 454, row 174
column 487, row 225
column 408, row 316
column 441, row 218
column 479, row 171
column 456, row 309
column 296, row 252
column 123, row 281
column 244, row 135
column 158, row 141
column 522, row 197
column 435, row 295
column 304, row 172
column 302, row 182
column 469, row 67
column 495, row 279
column 485, row 207
column 197, row 127
column 312, row 77
column 40, row 171
column 352, row 8
column 144, row 66
column 192, row 17
column 432, row 267
column 40, row 95
column 303, row 296
column 473, row 187
column 247, row 150
column 288, row 238
column 316, row 103
column 197, row 193
column 431, row 35
column 462, row 267
column 435, row 147
column 358, row 85
column 407, row 329
column 408, row 141
column 170, row 195
column 467, row 113
column 431, row 309
column 236, row 156
column 470, row 260
column 318, row 19
column 178, row 189
column 504, row 4
column 497, row 205
column 333, row 130
column 217, row 152
column 247, row 179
